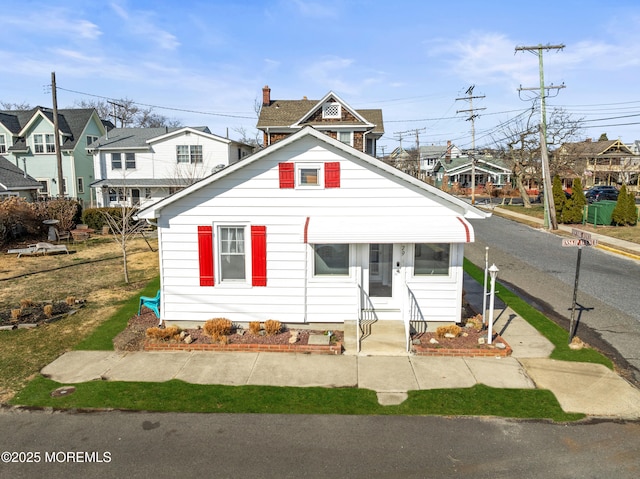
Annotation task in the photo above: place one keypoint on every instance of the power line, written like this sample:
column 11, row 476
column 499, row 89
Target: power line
column 161, row 107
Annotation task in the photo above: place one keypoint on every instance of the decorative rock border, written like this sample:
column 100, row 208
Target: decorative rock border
column 251, row 348
column 487, row 351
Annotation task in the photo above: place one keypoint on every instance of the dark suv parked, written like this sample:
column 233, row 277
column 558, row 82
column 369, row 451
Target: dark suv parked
column 598, row 193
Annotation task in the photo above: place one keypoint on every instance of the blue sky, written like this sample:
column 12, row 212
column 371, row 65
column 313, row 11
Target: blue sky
column 205, row 62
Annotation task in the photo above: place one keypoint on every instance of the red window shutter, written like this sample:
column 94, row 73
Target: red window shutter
column 259, row 255
column 287, row 179
column 332, row 175
column 205, row 255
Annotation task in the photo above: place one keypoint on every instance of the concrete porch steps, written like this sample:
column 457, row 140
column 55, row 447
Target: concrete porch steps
column 387, row 338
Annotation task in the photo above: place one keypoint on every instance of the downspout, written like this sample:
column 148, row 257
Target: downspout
column 306, row 269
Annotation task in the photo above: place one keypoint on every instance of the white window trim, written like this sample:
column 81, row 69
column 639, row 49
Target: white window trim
column 350, row 132
column 315, row 166
column 435, row 278
column 3, row 144
column 347, row 278
column 113, row 167
column 217, row 253
column 126, row 160
column 80, row 181
column 328, row 105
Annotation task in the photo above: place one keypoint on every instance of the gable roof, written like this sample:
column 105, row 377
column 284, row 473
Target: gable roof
column 296, row 113
column 71, row 122
column 13, row 178
column 597, row 148
column 466, row 209
column 461, row 163
column 123, row 138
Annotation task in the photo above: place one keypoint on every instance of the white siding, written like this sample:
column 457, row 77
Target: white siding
column 251, row 194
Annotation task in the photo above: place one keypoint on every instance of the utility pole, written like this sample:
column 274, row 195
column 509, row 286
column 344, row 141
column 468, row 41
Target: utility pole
column 472, row 118
column 549, row 205
column 115, row 117
column 400, row 135
column 56, row 135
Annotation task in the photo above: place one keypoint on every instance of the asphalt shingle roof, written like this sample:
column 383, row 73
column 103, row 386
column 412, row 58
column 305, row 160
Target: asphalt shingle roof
column 12, row 177
column 135, row 137
column 284, row 113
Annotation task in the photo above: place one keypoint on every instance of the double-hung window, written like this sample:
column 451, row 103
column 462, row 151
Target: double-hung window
column 116, row 161
column 189, row 153
column 232, row 253
column 130, row 161
column 3, row 144
column 43, row 143
column 345, row 137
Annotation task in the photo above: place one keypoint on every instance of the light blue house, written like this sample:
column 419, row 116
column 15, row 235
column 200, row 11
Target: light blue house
column 27, row 139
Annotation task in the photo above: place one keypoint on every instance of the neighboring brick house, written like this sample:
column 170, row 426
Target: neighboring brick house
column 331, row 115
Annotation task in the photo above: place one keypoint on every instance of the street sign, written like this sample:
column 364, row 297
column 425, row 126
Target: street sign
column 570, row 242
column 580, row 234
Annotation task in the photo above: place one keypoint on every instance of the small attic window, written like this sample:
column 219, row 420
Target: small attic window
column 331, row 110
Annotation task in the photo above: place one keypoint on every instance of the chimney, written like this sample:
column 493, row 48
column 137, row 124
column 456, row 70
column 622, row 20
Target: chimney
column 447, row 154
column 266, row 95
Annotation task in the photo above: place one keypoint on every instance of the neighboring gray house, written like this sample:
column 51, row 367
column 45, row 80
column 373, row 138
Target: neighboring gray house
column 429, row 156
column 15, row 182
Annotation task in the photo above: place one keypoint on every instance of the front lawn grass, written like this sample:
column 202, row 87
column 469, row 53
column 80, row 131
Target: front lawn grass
column 101, row 339
column 550, row 330
column 178, row 396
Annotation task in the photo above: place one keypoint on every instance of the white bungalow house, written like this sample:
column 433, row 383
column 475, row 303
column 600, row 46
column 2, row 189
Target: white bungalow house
column 137, row 166
column 310, row 230
column 459, row 170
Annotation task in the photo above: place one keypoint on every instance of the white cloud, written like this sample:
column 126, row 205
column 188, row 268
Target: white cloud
column 141, row 24
column 59, row 22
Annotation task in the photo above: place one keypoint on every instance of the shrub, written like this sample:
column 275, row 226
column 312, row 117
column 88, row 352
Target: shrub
column 18, row 217
column 70, row 300
column 272, row 326
column 451, row 329
column 475, row 322
column 15, row 314
column 573, row 207
column 164, row 334
column 217, row 328
column 625, row 212
column 48, row 310
column 26, row 303
column 254, row 327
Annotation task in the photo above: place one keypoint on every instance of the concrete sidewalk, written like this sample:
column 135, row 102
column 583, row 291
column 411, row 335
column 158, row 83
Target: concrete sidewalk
column 579, row 387
column 608, row 243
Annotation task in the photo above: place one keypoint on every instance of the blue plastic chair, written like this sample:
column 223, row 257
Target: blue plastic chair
column 153, row 303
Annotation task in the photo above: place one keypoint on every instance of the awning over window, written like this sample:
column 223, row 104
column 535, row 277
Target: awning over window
column 436, row 229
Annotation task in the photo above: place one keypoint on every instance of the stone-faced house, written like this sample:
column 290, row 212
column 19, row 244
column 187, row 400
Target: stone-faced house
column 331, row 115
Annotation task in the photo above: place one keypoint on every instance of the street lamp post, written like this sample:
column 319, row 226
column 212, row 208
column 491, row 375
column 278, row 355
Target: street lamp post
column 493, row 272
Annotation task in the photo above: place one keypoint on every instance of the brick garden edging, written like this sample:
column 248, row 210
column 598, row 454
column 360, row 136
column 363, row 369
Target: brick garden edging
column 251, row 348
column 430, row 350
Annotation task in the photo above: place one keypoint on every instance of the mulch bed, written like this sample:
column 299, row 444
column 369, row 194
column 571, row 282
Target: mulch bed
column 467, row 344
column 133, row 338
column 34, row 314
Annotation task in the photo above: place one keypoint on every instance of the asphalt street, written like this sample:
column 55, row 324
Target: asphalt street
column 533, row 262
column 142, row 445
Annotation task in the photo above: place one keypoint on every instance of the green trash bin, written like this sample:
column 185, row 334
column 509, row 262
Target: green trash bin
column 600, row 213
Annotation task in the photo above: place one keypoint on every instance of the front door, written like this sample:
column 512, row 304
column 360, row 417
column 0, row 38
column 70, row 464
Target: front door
column 382, row 268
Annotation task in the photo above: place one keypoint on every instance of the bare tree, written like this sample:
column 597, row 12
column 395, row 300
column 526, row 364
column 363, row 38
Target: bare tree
column 520, row 146
column 123, row 227
column 127, row 113
column 15, row 106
